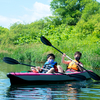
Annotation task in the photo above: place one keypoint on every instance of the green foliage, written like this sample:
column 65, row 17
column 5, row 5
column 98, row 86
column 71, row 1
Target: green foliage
column 75, row 27
column 69, row 11
column 4, row 32
column 91, row 26
column 91, row 9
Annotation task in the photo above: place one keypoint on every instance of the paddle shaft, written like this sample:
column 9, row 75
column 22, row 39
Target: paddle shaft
column 75, row 76
column 62, row 53
column 27, row 65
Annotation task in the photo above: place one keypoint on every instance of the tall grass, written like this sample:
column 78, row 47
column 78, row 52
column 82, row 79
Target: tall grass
column 37, row 52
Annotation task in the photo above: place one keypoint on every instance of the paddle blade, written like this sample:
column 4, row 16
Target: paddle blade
column 78, row 77
column 10, row 60
column 45, row 41
column 93, row 75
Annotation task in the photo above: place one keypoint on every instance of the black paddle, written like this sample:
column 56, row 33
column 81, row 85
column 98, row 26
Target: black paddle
column 92, row 74
column 75, row 76
column 13, row 61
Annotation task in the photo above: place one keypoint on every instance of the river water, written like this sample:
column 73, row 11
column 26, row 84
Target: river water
column 76, row 90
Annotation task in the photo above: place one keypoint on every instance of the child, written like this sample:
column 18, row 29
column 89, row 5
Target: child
column 75, row 64
column 50, row 65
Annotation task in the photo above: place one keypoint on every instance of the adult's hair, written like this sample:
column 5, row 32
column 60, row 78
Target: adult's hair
column 79, row 53
column 51, row 54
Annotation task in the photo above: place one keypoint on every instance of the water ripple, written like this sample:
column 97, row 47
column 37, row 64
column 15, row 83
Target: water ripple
column 69, row 91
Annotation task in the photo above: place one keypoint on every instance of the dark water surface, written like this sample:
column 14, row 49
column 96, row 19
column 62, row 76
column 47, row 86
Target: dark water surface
column 84, row 90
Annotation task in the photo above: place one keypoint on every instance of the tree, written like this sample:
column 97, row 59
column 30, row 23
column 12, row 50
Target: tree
column 90, row 21
column 69, row 11
column 91, row 9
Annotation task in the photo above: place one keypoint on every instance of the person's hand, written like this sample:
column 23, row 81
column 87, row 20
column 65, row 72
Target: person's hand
column 76, row 63
column 38, row 68
column 64, row 55
column 32, row 68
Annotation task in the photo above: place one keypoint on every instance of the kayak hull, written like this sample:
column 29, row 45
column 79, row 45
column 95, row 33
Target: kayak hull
column 42, row 78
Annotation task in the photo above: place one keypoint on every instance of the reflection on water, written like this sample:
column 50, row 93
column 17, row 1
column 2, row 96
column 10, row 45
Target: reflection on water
column 68, row 91
column 30, row 93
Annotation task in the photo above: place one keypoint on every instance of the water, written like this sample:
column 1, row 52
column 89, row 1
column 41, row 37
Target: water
column 83, row 90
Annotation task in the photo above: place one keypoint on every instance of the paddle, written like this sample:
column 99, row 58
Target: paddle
column 92, row 74
column 13, row 61
column 75, row 76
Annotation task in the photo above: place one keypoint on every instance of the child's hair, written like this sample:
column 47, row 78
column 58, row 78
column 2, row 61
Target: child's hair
column 50, row 55
column 79, row 53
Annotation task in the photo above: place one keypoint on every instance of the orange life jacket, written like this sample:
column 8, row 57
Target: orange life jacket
column 72, row 65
